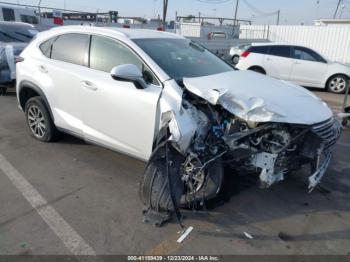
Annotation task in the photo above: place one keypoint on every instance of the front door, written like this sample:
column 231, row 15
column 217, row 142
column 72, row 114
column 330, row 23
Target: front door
column 115, row 113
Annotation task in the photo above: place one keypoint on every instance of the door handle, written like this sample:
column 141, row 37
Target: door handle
column 297, row 63
column 43, row 69
column 88, row 85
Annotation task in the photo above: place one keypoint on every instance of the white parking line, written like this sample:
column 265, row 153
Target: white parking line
column 71, row 239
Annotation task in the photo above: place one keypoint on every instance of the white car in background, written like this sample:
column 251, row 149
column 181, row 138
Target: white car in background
column 297, row 64
column 237, row 51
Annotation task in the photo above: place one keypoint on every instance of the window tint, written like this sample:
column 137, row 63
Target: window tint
column 29, row 19
column 46, row 47
column 106, row 53
column 259, row 49
column 71, row 48
column 8, row 14
column 283, row 51
column 306, row 54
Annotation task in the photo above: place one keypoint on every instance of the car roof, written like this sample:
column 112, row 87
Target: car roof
column 16, row 24
column 271, row 44
column 126, row 32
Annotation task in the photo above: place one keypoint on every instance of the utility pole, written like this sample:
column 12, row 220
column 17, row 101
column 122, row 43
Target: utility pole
column 236, row 11
column 165, row 10
column 39, row 10
column 278, row 17
column 336, row 10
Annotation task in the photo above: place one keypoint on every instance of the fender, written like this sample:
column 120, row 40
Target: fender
column 38, row 90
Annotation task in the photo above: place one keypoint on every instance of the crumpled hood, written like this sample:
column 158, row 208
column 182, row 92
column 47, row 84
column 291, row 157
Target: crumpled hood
column 258, row 98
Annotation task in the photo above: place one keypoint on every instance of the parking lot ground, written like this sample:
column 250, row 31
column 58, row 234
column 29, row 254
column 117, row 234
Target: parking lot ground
column 70, row 197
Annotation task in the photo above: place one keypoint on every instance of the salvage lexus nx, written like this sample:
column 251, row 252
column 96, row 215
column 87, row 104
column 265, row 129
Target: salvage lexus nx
column 166, row 100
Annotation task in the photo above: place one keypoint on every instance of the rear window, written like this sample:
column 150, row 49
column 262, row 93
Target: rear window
column 259, row 49
column 46, row 47
column 71, row 48
column 283, row 51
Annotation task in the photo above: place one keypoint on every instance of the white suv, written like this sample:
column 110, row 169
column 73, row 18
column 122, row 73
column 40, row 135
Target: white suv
column 166, row 100
column 297, row 64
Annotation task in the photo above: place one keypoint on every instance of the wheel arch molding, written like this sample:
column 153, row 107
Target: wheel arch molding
column 27, row 90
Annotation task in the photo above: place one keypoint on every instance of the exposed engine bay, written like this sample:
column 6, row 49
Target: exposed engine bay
column 183, row 174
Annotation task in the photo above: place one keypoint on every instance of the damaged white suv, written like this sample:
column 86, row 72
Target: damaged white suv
column 164, row 99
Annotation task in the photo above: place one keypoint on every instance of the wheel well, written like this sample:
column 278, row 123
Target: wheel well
column 257, row 67
column 329, row 78
column 25, row 94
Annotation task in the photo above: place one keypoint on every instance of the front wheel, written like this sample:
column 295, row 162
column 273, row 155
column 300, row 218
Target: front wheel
column 337, row 84
column 188, row 190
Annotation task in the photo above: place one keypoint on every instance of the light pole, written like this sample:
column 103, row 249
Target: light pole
column 236, row 11
column 39, row 11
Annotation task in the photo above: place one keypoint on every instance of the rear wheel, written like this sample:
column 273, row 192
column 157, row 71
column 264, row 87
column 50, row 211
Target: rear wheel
column 235, row 59
column 39, row 122
column 3, row 91
column 258, row 70
column 337, row 84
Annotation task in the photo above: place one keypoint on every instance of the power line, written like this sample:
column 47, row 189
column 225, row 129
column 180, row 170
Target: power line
column 336, row 10
column 258, row 11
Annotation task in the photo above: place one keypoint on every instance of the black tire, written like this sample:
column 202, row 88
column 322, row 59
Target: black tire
column 333, row 87
column 258, row 70
column 154, row 188
column 235, row 59
column 39, row 122
column 3, row 91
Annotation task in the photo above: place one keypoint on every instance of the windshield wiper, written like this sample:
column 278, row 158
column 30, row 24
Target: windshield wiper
column 197, row 47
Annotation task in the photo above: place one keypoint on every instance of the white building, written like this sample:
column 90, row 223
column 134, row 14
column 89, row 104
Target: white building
column 332, row 22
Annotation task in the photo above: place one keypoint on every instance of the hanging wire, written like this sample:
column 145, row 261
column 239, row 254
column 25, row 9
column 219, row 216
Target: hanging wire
column 258, row 11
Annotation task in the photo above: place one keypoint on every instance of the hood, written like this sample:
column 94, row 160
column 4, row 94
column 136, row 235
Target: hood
column 254, row 97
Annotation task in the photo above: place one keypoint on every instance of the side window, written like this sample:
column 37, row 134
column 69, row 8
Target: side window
column 307, row 54
column 259, row 49
column 71, row 48
column 29, row 19
column 106, row 53
column 283, row 51
column 46, row 47
column 8, row 14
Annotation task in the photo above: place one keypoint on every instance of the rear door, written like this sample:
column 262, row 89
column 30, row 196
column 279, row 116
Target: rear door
column 308, row 67
column 278, row 62
column 69, row 58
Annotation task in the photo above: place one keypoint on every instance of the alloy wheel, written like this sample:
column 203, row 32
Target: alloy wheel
column 337, row 84
column 36, row 121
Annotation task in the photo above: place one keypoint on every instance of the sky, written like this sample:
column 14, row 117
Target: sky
column 291, row 11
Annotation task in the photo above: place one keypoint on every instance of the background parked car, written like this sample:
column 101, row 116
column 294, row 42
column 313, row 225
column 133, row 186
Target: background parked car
column 298, row 64
column 237, row 51
column 217, row 35
column 14, row 37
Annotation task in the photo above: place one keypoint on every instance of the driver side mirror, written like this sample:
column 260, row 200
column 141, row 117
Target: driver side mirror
column 129, row 73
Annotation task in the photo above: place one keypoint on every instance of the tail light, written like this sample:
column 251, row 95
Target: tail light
column 245, row 54
column 19, row 59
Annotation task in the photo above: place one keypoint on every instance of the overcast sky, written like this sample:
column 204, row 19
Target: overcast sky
column 292, row 11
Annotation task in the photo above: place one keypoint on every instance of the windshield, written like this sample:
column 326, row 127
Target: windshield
column 181, row 58
column 17, row 33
